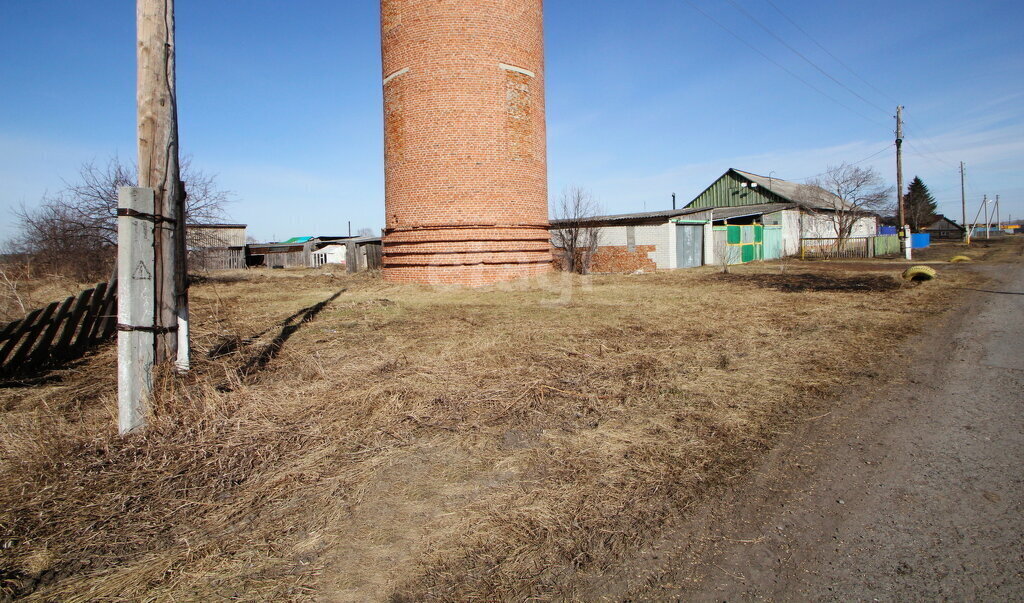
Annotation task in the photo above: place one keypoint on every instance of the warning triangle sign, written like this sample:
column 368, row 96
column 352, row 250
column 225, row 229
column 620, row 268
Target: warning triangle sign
column 141, row 273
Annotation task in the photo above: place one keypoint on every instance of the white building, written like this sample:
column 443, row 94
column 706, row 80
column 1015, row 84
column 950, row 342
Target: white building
column 741, row 217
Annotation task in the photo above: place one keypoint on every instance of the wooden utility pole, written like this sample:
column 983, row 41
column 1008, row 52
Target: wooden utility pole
column 899, row 163
column 899, row 182
column 159, row 169
column 963, row 205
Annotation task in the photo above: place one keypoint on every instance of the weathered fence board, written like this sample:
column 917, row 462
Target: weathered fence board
column 835, row 248
column 7, row 330
column 85, row 333
column 61, row 331
column 71, row 325
column 32, row 334
column 42, row 349
column 852, row 247
column 23, row 325
column 226, row 258
column 374, row 256
column 106, row 322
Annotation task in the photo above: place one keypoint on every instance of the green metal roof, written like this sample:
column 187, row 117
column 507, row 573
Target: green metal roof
column 737, row 188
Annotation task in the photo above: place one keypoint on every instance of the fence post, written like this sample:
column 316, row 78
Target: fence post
column 136, row 304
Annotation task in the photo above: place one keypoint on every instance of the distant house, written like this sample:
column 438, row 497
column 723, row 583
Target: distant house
column 815, row 210
column 333, row 253
column 215, row 246
column 200, row 236
column 355, row 253
column 739, row 218
column 944, row 228
column 295, row 252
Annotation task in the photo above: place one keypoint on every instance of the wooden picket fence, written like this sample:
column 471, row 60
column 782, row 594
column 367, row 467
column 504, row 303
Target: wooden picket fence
column 60, row 332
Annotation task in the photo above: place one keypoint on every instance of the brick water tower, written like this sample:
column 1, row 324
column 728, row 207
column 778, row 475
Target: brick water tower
column 465, row 145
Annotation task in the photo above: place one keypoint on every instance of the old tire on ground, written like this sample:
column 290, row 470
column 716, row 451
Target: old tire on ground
column 959, row 258
column 919, row 273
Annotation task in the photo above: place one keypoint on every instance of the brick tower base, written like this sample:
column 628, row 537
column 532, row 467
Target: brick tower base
column 472, row 256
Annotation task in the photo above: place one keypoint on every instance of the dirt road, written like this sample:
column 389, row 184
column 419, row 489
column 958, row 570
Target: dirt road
column 906, row 492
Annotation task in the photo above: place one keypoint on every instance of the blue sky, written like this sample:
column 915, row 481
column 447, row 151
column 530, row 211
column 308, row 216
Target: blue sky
column 281, row 100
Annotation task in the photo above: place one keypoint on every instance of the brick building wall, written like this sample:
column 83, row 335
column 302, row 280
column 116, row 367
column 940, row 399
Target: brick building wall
column 465, row 147
column 619, row 258
column 646, row 247
column 651, row 245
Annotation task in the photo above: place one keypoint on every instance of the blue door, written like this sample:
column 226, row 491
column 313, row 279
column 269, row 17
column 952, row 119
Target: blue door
column 772, row 242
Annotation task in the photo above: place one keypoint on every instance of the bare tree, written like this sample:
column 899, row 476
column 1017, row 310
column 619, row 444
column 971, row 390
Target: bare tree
column 572, row 231
column 365, row 232
column 75, row 230
column 847, row 193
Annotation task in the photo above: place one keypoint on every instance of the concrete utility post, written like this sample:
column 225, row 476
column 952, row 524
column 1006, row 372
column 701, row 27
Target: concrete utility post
column 963, row 205
column 135, row 306
column 999, row 220
column 159, row 170
column 974, row 223
column 988, row 220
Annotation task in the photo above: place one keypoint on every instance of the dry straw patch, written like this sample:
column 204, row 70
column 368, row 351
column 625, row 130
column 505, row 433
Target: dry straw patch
column 415, row 443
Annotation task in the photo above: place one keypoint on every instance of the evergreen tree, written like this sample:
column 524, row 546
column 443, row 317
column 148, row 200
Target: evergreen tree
column 919, row 205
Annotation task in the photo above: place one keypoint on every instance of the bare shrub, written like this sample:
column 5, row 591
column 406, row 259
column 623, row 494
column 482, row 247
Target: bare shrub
column 847, row 193
column 12, row 294
column 74, row 232
column 572, row 231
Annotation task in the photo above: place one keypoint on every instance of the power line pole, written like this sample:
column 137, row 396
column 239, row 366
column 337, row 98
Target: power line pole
column 899, row 162
column 984, row 204
column 974, row 223
column 899, row 181
column 999, row 222
column 159, row 170
column 963, row 204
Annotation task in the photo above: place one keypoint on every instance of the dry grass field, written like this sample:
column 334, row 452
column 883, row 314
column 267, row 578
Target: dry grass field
column 348, row 439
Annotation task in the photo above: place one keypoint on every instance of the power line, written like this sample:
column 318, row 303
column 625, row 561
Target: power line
column 802, row 55
column 858, row 162
column 930, row 151
column 826, row 51
column 929, row 156
column 780, row 66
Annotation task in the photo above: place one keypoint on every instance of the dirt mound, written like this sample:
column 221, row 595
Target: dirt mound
column 808, row 281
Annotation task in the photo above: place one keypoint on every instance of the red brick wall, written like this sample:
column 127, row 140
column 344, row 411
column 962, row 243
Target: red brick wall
column 615, row 258
column 465, row 152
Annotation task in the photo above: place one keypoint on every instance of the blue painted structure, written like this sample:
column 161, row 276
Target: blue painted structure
column 920, row 240
column 772, row 242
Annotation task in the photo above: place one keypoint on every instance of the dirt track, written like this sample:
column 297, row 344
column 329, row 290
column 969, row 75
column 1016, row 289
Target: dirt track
column 905, row 491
